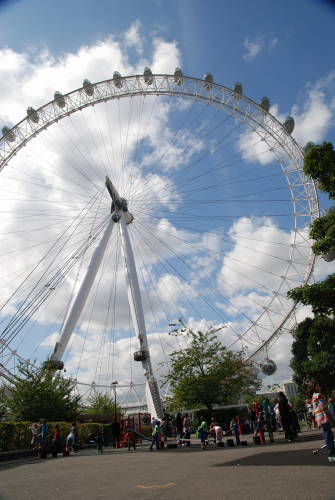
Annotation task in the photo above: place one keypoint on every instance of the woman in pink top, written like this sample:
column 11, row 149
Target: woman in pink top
column 322, row 416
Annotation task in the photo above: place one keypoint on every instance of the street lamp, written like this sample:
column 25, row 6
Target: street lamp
column 114, row 384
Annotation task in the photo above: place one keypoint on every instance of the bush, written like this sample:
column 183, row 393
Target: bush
column 17, row 435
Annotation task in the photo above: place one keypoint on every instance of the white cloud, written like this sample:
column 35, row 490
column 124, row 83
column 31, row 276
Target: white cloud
column 256, row 45
column 166, row 56
column 253, row 47
column 40, row 76
column 314, row 118
column 133, row 37
column 272, row 43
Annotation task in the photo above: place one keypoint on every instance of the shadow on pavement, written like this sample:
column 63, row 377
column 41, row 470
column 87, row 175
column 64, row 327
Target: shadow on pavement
column 289, row 458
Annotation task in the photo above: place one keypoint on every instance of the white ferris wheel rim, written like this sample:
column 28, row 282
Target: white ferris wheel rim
column 244, row 108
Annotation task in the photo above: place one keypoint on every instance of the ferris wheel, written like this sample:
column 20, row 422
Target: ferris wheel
column 131, row 202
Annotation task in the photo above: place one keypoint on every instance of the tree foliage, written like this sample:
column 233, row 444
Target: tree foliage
column 313, row 352
column 320, row 296
column 205, row 373
column 101, row 404
column 313, row 348
column 3, row 402
column 323, row 232
column 319, row 164
column 38, row 393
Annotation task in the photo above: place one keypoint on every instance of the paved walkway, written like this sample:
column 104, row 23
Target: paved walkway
column 278, row 471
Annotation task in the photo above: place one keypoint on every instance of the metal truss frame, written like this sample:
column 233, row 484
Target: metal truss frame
column 302, row 189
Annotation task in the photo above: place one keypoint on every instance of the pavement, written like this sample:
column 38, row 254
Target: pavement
column 272, row 471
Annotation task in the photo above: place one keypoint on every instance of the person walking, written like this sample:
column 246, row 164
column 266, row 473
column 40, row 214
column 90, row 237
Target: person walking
column 235, row 430
column 202, row 432
column 277, row 416
column 70, row 442
column 285, row 417
column 34, row 436
column 331, row 409
column 130, row 439
column 179, row 427
column 99, row 439
column 252, row 418
column 43, row 444
column 322, row 416
column 186, row 430
column 212, row 429
column 74, row 432
column 218, row 435
column 260, row 426
column 155, row 436
column 55, row 445
column 294, row 421
column 310, row 414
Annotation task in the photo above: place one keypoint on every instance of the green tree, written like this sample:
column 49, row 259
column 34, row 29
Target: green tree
column 313, row 347
column 38, row 393
column 3, row 401
column 313, row 352
column 319, row 163
column 205, row 373
column 320, row 296
column 101, row 404
column 323, row 233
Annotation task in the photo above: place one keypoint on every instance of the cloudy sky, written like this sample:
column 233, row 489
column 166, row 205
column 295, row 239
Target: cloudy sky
column 213, row 232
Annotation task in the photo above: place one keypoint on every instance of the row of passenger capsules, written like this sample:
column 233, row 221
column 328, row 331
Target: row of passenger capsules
column 148, row 76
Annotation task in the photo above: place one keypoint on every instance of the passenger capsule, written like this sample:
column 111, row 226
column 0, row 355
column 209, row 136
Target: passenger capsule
column 178, row 76
column 140, row 355
column 32, row 115
column 208, row 81
column 60, row 101
column 148, row 77
column 88, row 87
column 238, row 89
column 329, row 256
column 8, row 134
column 265, row 104
column 289, row 125
column 117, row 80
column 269, row 367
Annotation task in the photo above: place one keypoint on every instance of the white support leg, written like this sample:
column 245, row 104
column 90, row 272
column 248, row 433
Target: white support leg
column 80, row 300
column 136, row 309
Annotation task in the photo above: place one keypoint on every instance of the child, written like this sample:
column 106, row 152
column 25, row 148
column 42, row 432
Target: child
column 186, row 430
column 130, row 439
column 34, row 435
column 70, row 442
column 202, row 431
column 260, row 422
column 212, row 429
column 99, row 439
column 235, row 430
column 55, row 445
column 218, row 435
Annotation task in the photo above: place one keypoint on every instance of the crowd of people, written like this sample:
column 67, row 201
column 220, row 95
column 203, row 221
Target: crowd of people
column 45, row 439
column 263, row 417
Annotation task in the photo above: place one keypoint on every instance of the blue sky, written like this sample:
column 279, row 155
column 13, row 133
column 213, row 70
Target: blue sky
column 284, row 50
column 277, row 49
column 211, row 36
